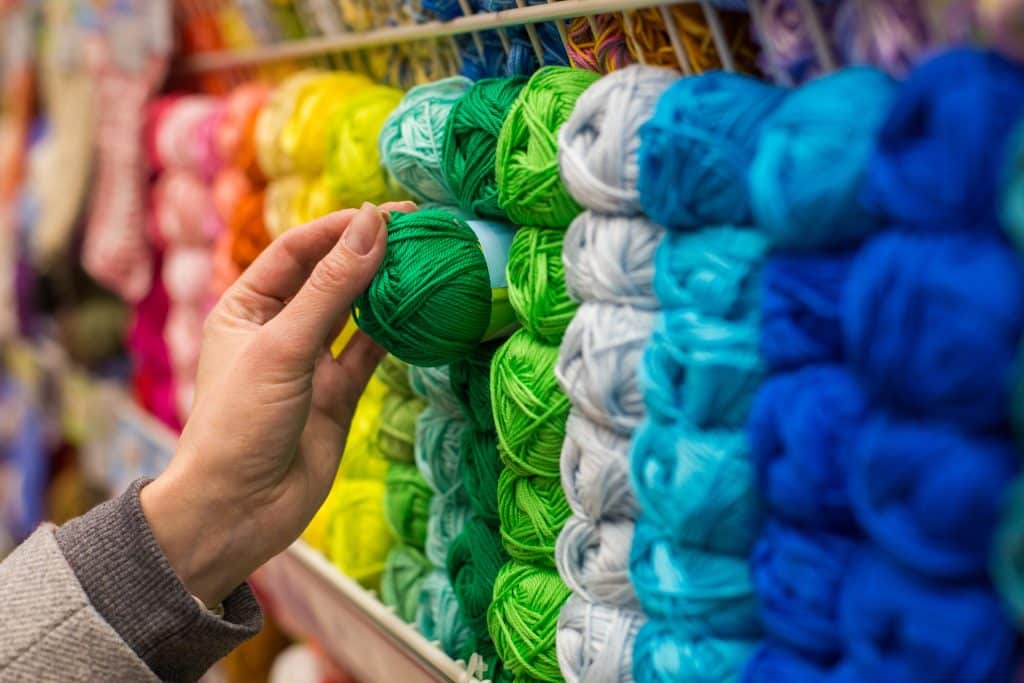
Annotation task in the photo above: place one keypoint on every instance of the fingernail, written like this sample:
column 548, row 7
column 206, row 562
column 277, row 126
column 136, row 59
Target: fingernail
column 362, row 231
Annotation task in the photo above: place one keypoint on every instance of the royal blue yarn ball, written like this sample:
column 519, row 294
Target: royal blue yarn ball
column 800, row 297
column 899, row 627
column 807, row 177
column 940, row 153
column 698, row 486
column 802, row 429
column 665, row 653
column 932, row 324
column 930, row 495
column 711, row 592
column 697, row 146
column 798, row 574
column 774, row 663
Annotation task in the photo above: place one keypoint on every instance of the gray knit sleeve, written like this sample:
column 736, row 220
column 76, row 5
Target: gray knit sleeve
column 130, row 583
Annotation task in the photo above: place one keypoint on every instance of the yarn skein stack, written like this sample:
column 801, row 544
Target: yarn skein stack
column 597, row 366
column 530, row 409
column 690, row 465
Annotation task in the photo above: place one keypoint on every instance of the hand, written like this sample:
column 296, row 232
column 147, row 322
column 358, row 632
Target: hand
column 272, row 407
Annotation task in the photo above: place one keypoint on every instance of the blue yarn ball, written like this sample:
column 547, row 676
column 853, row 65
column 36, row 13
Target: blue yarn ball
column 940, row 153
column 801, row 430
column 663, row 654
column 798, row 574
column 932, row 324
column 698, row 486
column 773, row 663
column 715, row 272
column 700, row 369
column 445, row 9
column 899, row 627
column 696, row 148
column 800, row 298
column 711, row 592
column 930, row 495
column 814, row 149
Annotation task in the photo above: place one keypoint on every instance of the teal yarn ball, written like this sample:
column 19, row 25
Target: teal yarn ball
column 404, row 572
column 812, row 157
column 434, row 385
column 1012, row 204
column 438, row 445
column 440, row 618
column 412, row 139
column 449, row 513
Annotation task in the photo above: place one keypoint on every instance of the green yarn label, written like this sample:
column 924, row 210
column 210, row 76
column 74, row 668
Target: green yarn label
column 496, row 241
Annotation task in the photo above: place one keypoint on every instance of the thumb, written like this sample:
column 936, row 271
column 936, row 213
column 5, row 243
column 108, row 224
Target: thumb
column 307, row 322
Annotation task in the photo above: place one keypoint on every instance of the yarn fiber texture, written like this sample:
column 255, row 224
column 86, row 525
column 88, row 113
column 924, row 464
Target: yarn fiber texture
column 924, row 149
column 474, row 559
column 480, row 466
column 598, row 360
column 595, row 642
column 533, row 511
column 530, row 189
column 611, row 259
column 471, row 385
column 438, row 448
column 802, row 429
column 471, row 140
column 771, row 662
column 523, row 619
column 412, row 138
column 593, row 560
column 530, row 409
column 397, row 432
column 697, row 146
column 812, row 157
column 430, row 302
column 662, row 654
column 913, row 302
column 536, row 283
column 439, row 618
column 930, row 496
column 400, row 586
column 357, row 536
column 595, row 471
column 407, row 504
column 434, row 385
column 599, row 143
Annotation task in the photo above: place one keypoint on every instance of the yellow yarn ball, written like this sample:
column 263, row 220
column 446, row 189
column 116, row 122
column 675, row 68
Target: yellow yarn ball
column 273, row 117
column 284, row 203
column 357, row 536
column 362, row 458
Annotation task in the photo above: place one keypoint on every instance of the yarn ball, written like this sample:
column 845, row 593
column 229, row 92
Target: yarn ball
column 394, row 374
column 699, row 486
column 532, row 511
column 430, row 302
column 696, row 149
column 185, row 210
column 700, row 369
column 234, row 136
column 800, row 298
column 595, row 641
column 273, row 117
column 924, row 148
column 536, row 283
column 400, row 586
column 593, row 560
column 598, row 144
column 480, row 466
column 449, row 512
column 284, row 203
column 598, row 360
column 530, row 409
column 358, row 539
column 434, row 385
column 353, row 167
column 802, row 430
column 890, row 34
column 440, row 619
column 523, row 619
column 771, row 663
column 530, row 189
column 249, row 234
column 913, row 303
column 798, row 574
column 1008, row 551
column 186, row 274
column 929, row 495
column 471, row 142
column 715, row 271
column 474, row 559
column 182, row 334
column 406, row 504
column 438, row 447
column 595, row 471
column 397, row 433
column 611, row 259
column 784, row 31
column 708, row 593
column 412, row 139
column 1012, row 204
column 889, row 616
column 812, row 156
column 662, row 653
column 471, row 385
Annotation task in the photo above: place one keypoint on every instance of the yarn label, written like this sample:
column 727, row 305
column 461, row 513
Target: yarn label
column 496, row 241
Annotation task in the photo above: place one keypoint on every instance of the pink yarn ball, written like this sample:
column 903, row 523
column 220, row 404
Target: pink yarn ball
column 184, row 133
column 184, row 209
column 187, row 273
column 183, row 334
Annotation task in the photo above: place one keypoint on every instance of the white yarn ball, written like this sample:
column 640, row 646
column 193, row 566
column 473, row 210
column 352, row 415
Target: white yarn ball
column 595, row 471
column 593, row 560
column 595, row 642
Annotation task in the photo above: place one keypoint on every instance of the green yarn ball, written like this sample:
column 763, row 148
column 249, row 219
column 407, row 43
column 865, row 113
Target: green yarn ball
column 480, row 466
column 449, row 513
column 407, row 504
column 474, row 558
column 533, row 511
column 395, row 375
column 471, row 385
column 536, row 283
column 430, row 302
column 402, row 582
column 523, row 619
column 438, row 445
column 530, row 409
column 397, row 430
column 496, row 671
column 530, row 189
column 439, row 617
column 471, row 140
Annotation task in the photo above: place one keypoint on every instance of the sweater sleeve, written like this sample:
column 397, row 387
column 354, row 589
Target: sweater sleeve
column 128, row 581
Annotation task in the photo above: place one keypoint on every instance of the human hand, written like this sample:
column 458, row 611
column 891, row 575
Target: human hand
column 272, row 407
